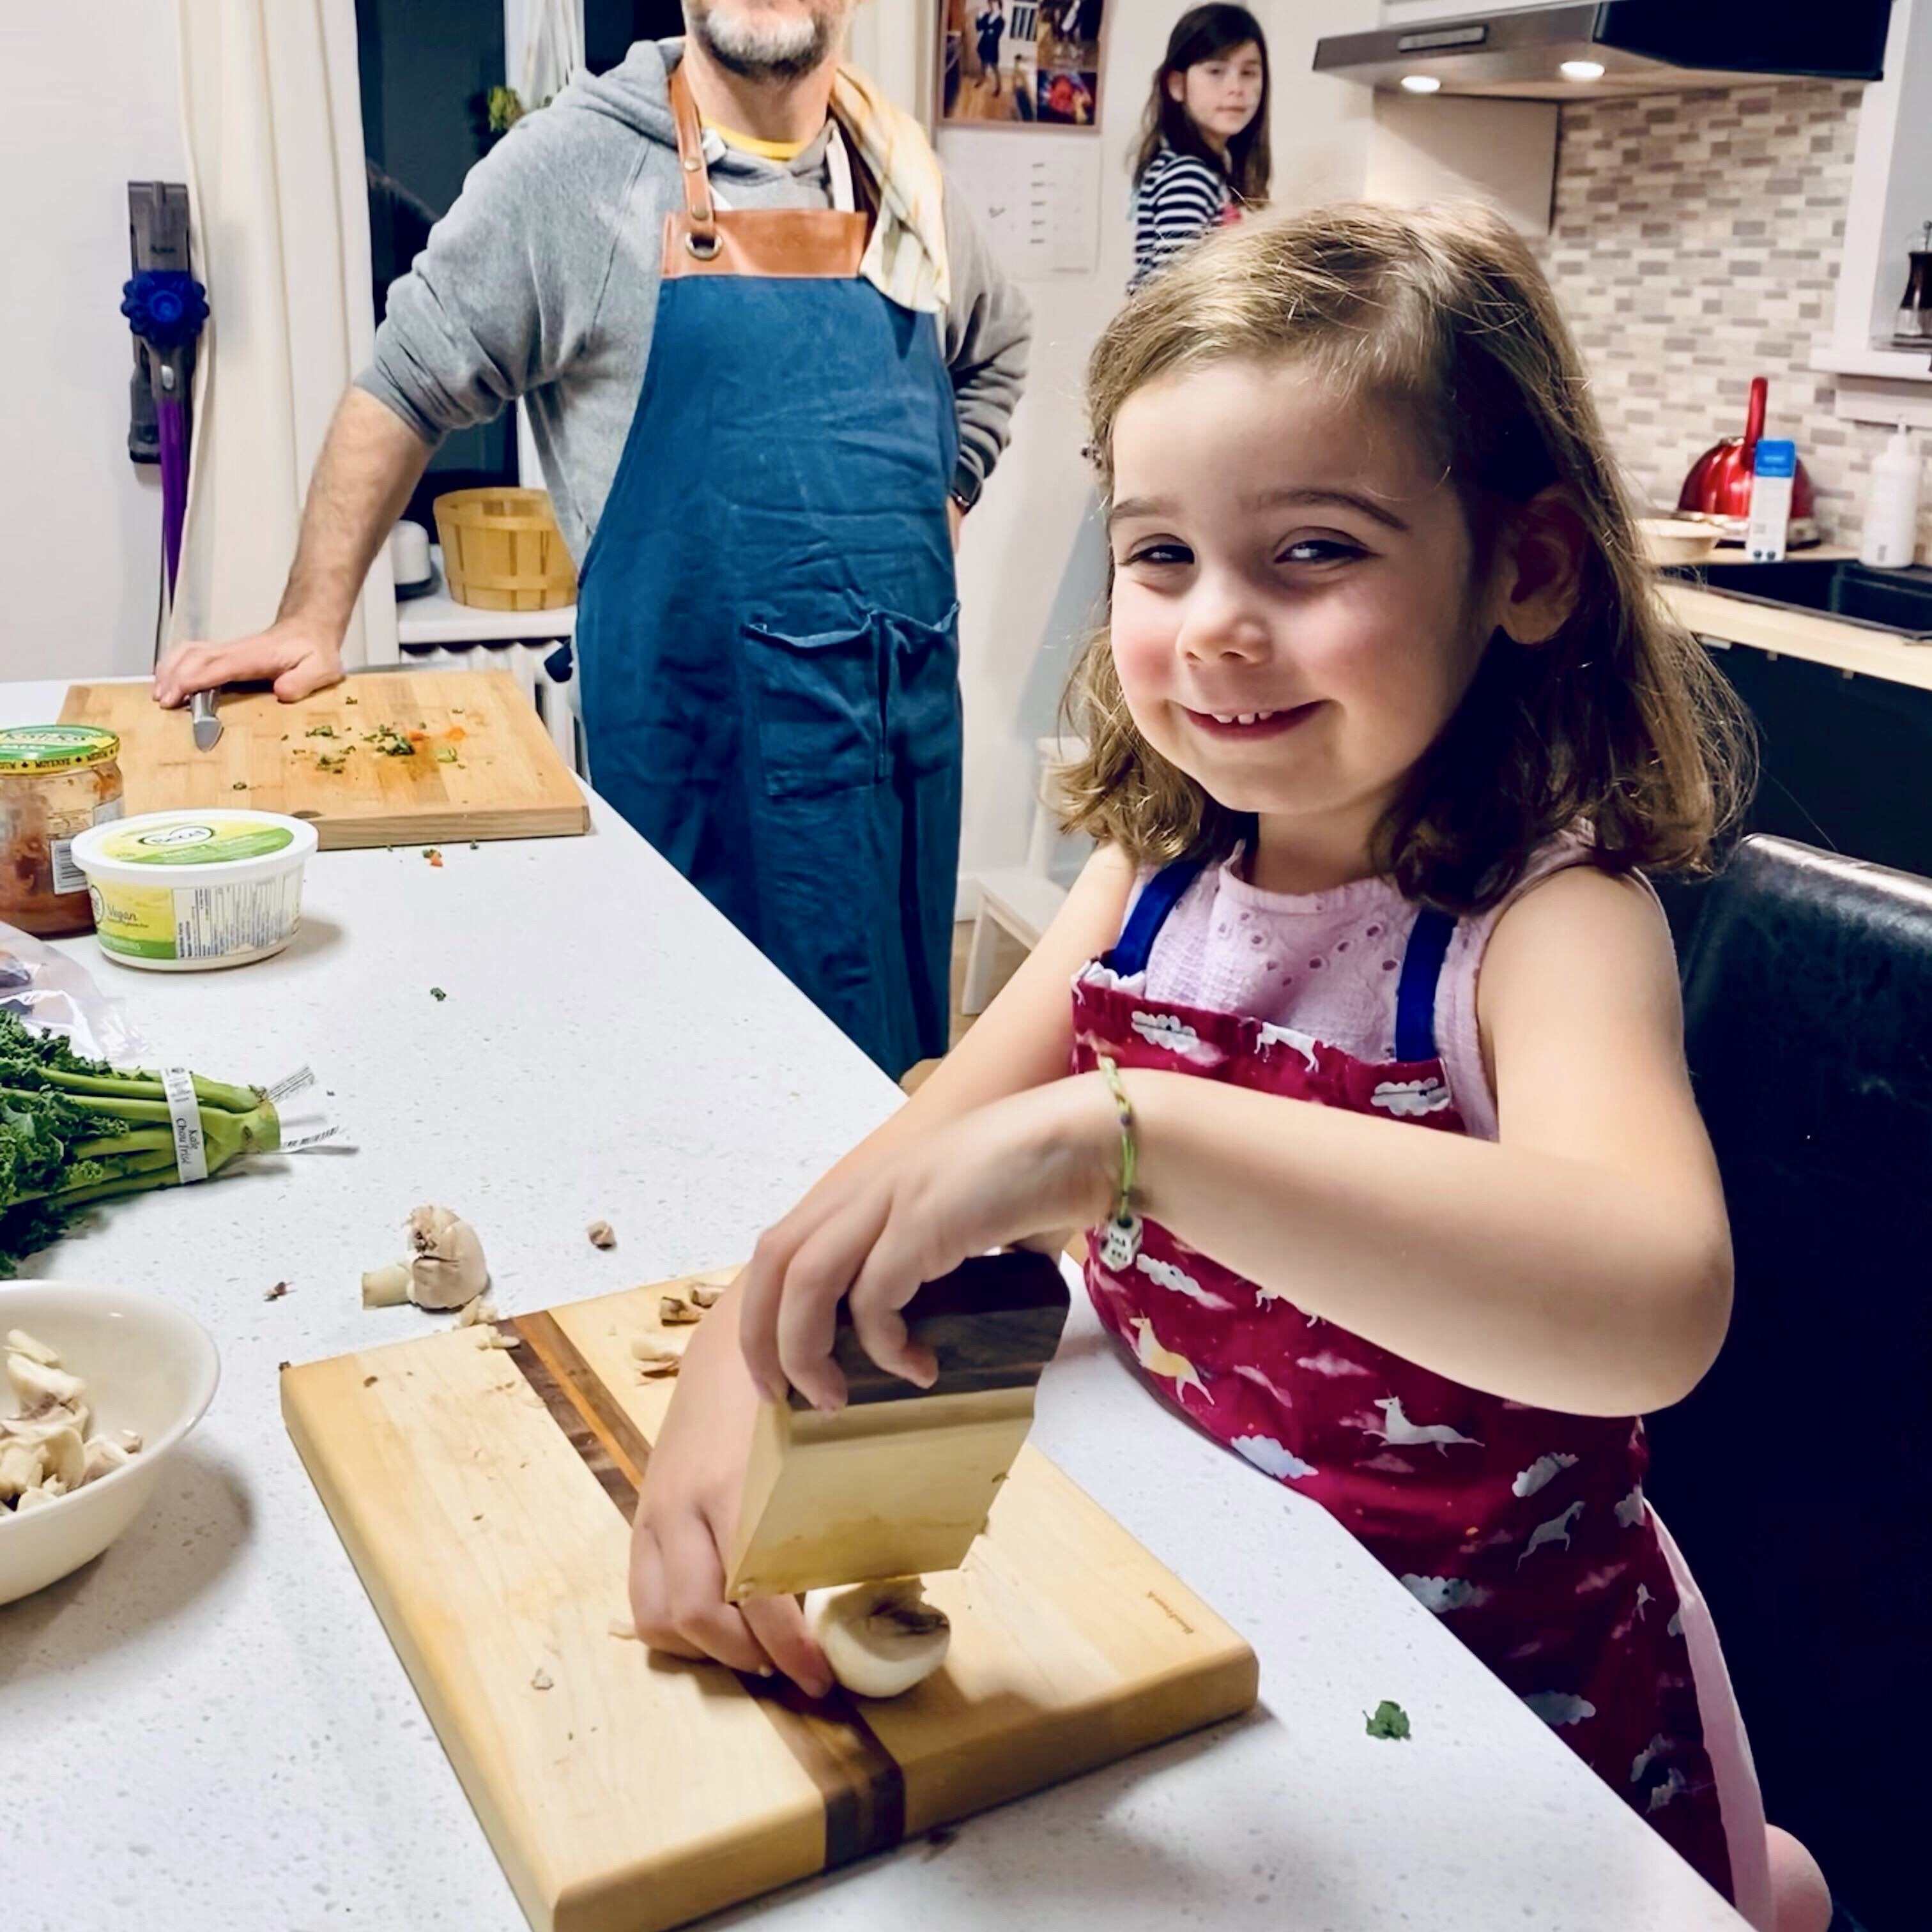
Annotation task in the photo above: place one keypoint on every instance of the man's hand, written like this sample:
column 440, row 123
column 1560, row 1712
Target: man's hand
column 300, row 655
column 370, row 463
column 955, row 520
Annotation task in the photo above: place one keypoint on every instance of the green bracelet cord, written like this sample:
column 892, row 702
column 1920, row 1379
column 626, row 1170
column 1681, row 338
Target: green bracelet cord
column 1122, row 1241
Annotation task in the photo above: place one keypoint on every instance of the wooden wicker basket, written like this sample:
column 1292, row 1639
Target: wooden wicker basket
column 501, row 550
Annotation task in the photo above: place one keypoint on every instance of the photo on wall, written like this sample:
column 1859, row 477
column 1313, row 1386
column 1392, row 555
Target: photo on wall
column 1021, row 63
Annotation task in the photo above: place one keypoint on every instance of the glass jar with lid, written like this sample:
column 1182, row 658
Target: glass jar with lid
column 55, row 781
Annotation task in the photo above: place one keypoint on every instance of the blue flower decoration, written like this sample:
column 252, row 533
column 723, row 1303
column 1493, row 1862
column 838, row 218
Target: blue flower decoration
column 165, row 307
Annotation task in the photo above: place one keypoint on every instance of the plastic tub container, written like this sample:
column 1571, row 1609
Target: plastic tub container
column 185, row 892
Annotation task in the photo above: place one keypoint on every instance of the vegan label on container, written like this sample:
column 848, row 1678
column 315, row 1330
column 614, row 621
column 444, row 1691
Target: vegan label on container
column 207, row 841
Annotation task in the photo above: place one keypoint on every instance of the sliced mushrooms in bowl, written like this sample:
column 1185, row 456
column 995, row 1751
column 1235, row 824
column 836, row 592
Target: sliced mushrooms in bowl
column 101, row 1385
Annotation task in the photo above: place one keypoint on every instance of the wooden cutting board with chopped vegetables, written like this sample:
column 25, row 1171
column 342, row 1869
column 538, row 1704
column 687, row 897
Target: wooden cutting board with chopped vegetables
column 387, row 758
column 485, row 1495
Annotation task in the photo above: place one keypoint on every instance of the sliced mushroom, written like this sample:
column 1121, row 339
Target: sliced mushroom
column 102, row 1457
column 37, row 1386
column 879, row 1639
column 19, row 1343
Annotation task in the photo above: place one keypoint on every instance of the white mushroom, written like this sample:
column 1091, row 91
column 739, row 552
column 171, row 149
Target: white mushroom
column 57, row 1436
column 448, row 1269
column 23, row 1466
column 386, row 1287
column 36, row 1386
column 480, row 1310
column 879, row 1639
column 19, row 1343
column 38, row 1498
column 102, row 1457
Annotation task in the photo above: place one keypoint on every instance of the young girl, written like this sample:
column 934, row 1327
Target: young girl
column 1377, row 1103
column 1203, row 156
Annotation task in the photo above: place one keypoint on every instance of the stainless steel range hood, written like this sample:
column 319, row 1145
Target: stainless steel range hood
column 1618, row 47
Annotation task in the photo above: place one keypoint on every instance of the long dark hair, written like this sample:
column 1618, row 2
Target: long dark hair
column 1199, row 35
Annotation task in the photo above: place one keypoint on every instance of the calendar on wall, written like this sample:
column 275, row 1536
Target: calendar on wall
column 1038, row 199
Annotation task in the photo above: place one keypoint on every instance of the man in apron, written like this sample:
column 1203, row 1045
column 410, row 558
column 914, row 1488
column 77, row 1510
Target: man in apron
column 769, row 363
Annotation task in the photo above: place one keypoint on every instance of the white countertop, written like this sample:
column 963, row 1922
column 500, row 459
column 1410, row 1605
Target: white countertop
column 209, row 1730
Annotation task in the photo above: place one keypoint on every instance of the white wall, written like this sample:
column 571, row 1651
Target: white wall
column 92, row 104
column 1018, row 542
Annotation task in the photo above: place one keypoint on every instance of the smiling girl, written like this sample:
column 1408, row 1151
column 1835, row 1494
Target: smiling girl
column 1371, row 1082
column 1203, row 157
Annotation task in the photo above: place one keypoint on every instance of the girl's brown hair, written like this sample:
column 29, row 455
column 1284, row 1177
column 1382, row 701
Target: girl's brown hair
column 1206, row 34
column 1619, row 725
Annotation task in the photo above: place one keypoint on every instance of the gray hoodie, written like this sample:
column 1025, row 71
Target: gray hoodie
column 542, row 282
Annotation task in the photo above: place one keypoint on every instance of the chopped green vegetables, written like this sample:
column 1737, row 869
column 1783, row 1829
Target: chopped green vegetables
column 319, row 731
column 437, row 993
column 389, row 742
column 74, row 1131
column 446, row 755
column 1390, row 1720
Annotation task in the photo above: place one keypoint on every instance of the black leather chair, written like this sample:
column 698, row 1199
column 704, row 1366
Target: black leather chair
column 1799, row 1476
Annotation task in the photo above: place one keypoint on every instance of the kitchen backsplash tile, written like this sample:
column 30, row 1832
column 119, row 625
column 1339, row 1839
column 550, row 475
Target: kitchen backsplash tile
column 1695, row 244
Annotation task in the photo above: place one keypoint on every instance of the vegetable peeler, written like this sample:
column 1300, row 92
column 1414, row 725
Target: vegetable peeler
column 899, row 1482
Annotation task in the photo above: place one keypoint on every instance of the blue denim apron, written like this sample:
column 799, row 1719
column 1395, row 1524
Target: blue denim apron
column 767, row 619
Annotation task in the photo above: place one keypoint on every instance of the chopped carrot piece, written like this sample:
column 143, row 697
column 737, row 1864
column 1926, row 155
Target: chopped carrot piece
column 456, row 732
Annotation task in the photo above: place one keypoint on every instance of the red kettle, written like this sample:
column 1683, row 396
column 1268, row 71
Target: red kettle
column 1720, row 482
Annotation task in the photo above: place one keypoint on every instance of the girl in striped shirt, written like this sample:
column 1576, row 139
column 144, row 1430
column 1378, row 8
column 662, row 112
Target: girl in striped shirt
column 1203, row 157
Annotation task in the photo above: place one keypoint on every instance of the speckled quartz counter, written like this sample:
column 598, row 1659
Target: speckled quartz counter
column 209, row 1730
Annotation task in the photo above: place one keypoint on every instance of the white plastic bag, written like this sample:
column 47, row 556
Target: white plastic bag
column 48, row 991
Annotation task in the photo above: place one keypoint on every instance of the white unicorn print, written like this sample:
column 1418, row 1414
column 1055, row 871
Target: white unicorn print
column 1169, row 1276
column 1675, row 1626
column 1556, row 1530
column 1410, row 1099
column 1160, row 1361
column 1404, row 1434
column 1673, row 1785
column 1163, row 1029
column 1330, row 1363
column 1542, row 1472
column 1248, row 1372
column 1265, row 1453
column 1443, row 1594
column 1630, row 1510
column 1557, row 1708
column 1641, row 1763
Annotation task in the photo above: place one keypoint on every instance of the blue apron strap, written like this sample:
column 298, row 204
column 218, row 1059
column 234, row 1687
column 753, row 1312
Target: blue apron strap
column 1159, row 897
column 1415, row 993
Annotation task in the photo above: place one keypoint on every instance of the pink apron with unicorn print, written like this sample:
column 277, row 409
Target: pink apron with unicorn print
column 1526, row 1531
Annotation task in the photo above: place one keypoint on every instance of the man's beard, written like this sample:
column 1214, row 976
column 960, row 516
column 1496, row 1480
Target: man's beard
column 780, row 49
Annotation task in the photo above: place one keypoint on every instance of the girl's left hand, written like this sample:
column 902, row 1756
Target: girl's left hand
column 1005, row 1175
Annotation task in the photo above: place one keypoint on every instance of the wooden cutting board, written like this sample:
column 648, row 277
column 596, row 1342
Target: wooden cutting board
column 485, row 1497
column 506, row 780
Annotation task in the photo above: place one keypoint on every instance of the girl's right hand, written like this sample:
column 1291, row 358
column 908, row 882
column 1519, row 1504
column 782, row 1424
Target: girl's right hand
column 687, row 1513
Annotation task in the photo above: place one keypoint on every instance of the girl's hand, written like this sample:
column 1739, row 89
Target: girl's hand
column 687, row 1513
column 1008, row 1173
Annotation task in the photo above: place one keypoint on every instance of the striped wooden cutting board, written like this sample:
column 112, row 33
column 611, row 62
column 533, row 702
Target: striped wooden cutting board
column 485, row 1497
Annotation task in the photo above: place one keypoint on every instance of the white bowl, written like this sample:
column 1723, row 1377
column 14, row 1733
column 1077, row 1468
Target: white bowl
column 1677, row 539
column 148, row 1367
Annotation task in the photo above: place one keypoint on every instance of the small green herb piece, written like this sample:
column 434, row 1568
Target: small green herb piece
column 437, row 993
column 240, row 784
column 1390, row 1720
column 319, row 731
column 352, row 701
column 447, row 755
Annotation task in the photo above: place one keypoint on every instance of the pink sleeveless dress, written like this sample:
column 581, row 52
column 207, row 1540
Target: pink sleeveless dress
column 1524, row 1530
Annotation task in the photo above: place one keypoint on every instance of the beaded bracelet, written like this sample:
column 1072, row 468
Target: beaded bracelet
column 1122, row 1240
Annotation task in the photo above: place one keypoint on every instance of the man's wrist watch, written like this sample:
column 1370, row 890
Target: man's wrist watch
column 964, row 494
